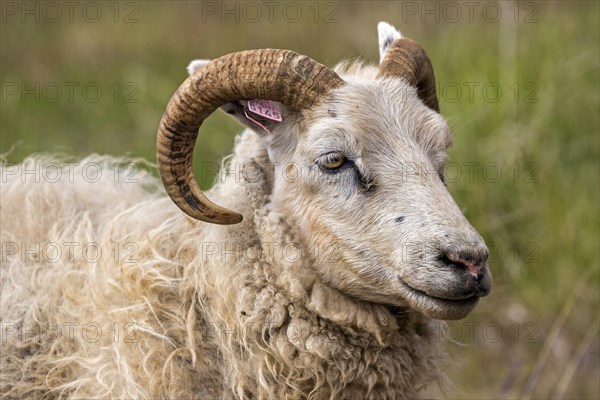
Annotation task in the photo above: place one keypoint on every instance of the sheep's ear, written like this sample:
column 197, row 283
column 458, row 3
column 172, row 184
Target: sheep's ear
column 387, row 34
column 262, row 117
column 195, row 65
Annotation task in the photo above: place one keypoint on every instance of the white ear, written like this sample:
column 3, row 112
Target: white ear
column 387, row 35
column 196, row 65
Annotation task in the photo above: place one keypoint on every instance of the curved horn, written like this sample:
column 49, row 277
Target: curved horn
column 407, row 59
column 279, row 75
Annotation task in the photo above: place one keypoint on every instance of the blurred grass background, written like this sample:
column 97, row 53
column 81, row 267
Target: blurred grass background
column 536, row 335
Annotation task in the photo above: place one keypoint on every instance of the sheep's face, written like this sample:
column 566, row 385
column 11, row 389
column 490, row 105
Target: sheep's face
column 362, row 178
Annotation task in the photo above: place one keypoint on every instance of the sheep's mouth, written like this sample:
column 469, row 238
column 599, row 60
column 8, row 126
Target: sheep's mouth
column 423, row 293
column 435, row 306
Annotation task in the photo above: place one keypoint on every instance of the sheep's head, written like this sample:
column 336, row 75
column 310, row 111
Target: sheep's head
column 358, row 169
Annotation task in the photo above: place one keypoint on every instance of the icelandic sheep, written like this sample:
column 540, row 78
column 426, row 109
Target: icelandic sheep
column 328, row 284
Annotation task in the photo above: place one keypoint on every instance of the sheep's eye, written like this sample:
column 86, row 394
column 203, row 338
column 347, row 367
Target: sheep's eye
column 332, row 161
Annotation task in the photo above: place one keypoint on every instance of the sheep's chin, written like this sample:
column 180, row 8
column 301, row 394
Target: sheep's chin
column 436, row 307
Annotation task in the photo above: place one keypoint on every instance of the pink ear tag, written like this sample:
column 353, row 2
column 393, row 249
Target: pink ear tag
column 265, row 108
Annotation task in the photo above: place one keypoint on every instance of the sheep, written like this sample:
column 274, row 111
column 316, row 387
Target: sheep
column 329, row 284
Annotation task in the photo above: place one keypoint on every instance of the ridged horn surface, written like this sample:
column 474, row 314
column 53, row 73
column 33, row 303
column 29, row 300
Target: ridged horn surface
column 407, row 59
column 269, row 74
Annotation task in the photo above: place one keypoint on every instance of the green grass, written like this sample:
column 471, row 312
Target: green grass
column 542, row 212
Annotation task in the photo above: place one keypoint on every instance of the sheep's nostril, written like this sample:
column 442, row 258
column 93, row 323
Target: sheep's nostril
column 471, row 264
